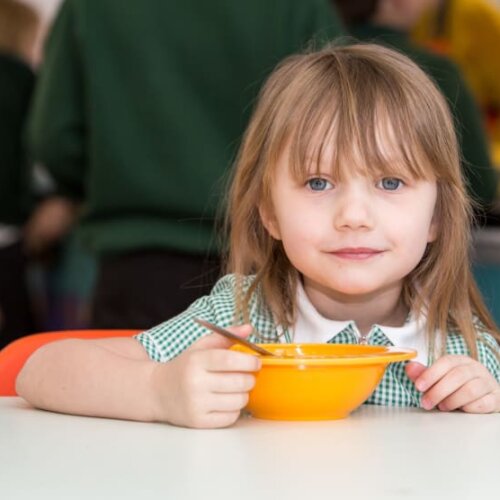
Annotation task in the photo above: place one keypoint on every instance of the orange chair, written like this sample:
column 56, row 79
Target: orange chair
column 14, row 355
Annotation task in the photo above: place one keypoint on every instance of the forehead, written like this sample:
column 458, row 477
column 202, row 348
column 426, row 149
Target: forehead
column 345, row 152
column 356, row 114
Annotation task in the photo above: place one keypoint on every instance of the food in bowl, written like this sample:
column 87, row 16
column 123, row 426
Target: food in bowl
column 318, row 381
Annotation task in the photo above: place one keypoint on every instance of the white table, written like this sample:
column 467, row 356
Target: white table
column 375, row 453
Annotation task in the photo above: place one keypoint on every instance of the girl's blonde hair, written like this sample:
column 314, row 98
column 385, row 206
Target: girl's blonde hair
column 348, row 96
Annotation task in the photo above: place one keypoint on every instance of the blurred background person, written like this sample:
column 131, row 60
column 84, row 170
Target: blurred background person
column 390, row 22
column 137, row 113
column 19, row 25
column 468, row 31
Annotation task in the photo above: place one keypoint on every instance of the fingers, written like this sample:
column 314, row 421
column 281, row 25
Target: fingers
column 220, row 360
column 466, row 394
column 217, row 420
column 208, row 385
column 489, row 403
column 457, row 382
column 240, row 330
column 454, row 380
column 438, row 370
column 231, row 382
column 220, row 410
column 414, row 370
column 229, row 402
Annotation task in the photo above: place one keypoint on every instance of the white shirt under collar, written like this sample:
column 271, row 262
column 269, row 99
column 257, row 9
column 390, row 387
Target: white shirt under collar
column 311, row 327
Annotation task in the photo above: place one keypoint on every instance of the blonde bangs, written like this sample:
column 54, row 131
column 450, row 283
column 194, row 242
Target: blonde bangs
column 329, row 113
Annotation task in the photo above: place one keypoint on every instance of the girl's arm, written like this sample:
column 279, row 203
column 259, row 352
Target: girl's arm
column 206, row 386
column 105, row 378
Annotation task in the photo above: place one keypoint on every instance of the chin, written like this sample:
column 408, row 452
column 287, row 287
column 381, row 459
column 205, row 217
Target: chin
column 355, row 291
column 352, row 288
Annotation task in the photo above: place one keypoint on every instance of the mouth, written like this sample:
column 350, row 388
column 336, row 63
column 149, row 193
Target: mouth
column 357, row 253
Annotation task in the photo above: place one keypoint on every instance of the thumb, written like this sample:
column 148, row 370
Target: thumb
column 414, row 370
column 216, row 341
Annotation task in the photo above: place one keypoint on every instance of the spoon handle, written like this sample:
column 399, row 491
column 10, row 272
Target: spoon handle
column 232, row 336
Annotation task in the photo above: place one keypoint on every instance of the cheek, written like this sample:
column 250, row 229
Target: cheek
column 414, row 226
column 415, row 240
column 301, row 236
column 298, row 226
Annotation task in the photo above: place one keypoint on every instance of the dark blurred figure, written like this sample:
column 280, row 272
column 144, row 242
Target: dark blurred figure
column 389, row 22
column 138, row 111
column 18, row 29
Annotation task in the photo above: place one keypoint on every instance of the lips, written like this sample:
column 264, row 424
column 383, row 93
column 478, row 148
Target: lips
column 357, row 253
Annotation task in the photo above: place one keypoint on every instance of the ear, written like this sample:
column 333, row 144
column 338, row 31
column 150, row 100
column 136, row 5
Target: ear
column 269, row 221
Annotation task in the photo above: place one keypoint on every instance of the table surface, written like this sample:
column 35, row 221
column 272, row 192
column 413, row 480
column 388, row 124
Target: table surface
column 377, row 452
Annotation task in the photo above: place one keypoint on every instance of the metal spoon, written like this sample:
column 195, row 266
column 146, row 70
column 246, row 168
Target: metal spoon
column 235, row 338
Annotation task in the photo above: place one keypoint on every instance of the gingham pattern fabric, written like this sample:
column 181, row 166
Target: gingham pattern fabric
column 169, row 339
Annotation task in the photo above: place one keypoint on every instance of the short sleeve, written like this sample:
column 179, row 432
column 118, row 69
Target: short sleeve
column 489, row 354
column 169, row 339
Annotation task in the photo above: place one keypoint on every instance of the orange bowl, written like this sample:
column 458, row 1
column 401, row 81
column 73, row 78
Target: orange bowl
column 318, row 381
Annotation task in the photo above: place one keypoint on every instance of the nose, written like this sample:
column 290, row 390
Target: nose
column 353, row 209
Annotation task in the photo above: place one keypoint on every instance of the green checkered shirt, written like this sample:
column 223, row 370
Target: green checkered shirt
column 171, row 338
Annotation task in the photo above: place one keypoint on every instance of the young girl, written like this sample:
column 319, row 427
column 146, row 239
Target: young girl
column 349, row 223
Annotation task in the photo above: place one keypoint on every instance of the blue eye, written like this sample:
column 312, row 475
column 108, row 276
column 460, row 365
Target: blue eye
column 390, row 183
column 318, row 184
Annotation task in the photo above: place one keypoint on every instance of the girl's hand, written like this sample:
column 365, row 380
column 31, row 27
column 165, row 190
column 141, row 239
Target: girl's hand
column 207, row 385
column 456, row 383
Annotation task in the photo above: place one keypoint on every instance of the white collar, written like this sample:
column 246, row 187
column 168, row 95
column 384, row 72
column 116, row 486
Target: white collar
column 311, row 327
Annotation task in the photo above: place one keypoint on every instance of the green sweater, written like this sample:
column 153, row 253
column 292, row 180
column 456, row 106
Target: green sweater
column 477, row 166
column 141, row 105
column 16, row 85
